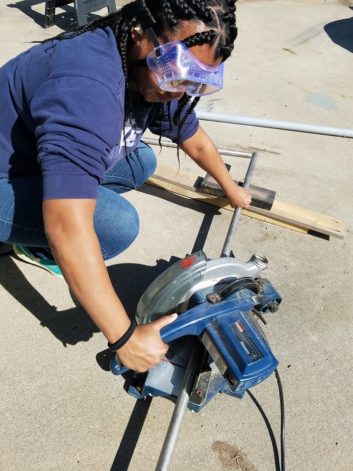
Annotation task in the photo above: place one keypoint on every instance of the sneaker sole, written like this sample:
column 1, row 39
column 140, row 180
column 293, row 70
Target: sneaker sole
column 32, row 261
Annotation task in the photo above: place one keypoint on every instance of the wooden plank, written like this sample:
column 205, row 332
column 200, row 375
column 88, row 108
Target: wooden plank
column 269, row 220
column 180, row 190
column 312, row 220
column 169, row 174
column 283, row 214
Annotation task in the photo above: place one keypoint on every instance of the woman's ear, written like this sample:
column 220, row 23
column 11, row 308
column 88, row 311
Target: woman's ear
column 137, row 33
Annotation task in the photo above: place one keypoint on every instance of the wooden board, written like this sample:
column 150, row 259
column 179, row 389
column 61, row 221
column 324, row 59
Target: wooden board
column 311, row 220
column 283, row 214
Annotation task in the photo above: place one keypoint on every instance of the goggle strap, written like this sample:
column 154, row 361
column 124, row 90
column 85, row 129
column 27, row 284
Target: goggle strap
column 154, row 40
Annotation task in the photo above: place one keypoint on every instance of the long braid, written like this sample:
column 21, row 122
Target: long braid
column 200, row 38
column 180, row 121
column 184, row 100
column 142, row 5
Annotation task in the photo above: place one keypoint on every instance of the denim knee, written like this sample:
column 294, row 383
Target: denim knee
column 131, row 172
column 21, row 218
column 116, row 223
column 149, row 159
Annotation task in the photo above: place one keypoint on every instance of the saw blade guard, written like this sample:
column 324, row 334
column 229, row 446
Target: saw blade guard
column 171, row 291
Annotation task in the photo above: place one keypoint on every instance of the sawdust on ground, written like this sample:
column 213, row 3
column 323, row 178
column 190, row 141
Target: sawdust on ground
column 232, row 457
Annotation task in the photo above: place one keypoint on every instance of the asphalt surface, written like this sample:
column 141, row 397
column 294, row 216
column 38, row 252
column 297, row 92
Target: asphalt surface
column 61, row 410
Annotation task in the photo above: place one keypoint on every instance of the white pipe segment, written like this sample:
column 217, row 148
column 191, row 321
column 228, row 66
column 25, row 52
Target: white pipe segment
column 270, row 123
column 232, row 153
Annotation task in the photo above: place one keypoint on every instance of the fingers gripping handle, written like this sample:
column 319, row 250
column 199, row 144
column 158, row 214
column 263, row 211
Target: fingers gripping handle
column 117, row 368
column 168, row 333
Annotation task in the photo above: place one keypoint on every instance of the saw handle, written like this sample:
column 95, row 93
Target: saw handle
column 117, row 368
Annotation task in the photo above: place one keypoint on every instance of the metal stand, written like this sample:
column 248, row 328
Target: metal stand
column 82, row 9
column 49, row 12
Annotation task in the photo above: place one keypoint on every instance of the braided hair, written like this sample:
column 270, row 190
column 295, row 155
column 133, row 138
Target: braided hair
column 165, row 15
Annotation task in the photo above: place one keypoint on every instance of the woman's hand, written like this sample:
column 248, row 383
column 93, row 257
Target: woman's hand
column 145, row 347
column 202, row 150
column 239, row 197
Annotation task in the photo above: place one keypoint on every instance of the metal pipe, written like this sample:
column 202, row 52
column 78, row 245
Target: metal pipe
column 179, row 410
column 234, row 222
column 274, row 124
column 231, row 153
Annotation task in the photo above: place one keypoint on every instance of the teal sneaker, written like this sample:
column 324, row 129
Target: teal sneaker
column 38, row 256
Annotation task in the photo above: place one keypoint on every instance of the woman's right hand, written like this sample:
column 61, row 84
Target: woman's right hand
column 239, row 197
column 145, row 347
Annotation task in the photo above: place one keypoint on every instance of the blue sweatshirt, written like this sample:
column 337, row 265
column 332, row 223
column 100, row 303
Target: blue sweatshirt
column 62, row 115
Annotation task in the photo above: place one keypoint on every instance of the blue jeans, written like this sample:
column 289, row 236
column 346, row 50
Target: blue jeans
column 116, row 221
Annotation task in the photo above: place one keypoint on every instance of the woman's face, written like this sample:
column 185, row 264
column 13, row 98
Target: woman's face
column 142, row 79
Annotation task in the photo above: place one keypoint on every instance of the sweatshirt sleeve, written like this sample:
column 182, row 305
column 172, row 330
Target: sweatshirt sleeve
column 77, row 122
column 162, row 123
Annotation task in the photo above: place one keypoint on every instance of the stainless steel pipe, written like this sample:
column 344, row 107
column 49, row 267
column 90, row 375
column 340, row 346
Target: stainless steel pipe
column 231, row 153
column 274, row 124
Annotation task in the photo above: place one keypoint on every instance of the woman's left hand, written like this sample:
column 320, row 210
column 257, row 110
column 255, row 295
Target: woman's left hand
column 239, row 197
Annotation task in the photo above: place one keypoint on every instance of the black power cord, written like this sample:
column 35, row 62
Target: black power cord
column 279, row 460
column 270, row 431
column 281, row 400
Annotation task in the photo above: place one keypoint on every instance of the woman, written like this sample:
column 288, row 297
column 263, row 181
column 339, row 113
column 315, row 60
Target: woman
column 73, row 111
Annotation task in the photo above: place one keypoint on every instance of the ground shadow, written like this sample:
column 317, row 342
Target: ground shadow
column 73, row 325
column 207, row 210
column 341, row 32
column 131, row 435
column 65, row 17
column 69, row 326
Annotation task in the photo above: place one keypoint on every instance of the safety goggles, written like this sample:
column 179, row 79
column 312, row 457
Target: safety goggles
column 177, row 70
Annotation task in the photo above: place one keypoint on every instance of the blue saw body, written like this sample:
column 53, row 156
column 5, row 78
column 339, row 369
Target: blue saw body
column 221, row 312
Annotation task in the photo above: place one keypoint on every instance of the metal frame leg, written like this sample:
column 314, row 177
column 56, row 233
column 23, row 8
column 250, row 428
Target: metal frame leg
column 81, row 13
column 84, row 7
column 49, row 13
column 111, row 6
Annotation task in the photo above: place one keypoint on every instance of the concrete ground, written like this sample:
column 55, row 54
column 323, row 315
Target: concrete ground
column 61, row 411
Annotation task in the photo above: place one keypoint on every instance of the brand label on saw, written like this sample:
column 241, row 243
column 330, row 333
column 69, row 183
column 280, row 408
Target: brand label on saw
column 246, row 341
